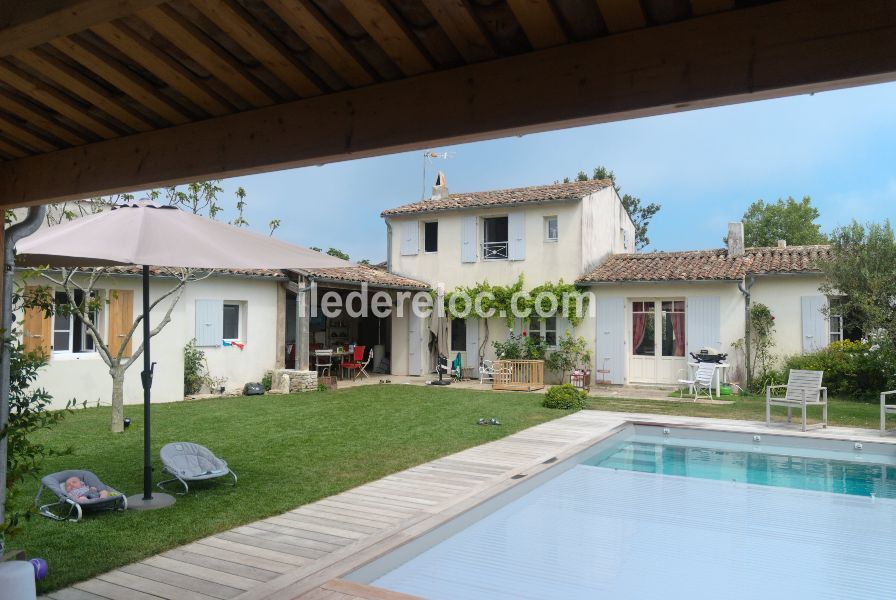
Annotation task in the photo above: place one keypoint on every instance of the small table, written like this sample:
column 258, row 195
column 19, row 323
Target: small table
column 719, row 373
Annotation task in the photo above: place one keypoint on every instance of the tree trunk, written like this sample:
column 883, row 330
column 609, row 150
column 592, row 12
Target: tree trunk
column 117, row 374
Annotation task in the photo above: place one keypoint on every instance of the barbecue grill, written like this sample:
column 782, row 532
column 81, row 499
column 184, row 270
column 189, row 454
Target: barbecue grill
column 710, row 355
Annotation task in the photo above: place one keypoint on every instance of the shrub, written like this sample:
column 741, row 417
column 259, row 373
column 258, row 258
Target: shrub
column 855, row 369
column 565, row 397
column 572, row 352
column 268, row 381
column 520, row 347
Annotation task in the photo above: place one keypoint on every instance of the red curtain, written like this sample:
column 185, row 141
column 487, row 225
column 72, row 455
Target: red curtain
column 639, row 323
column 678, row 333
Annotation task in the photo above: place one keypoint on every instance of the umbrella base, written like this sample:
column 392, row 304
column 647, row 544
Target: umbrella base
column 136, row 502
column 440, row 382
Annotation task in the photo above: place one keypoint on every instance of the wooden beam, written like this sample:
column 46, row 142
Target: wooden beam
column 705, row 7
column 268, row 50
column 539, row 22
column 460, row 25
column 77, row 84
column 121, row 77
column 622, row 15
column 205, row 51
column 390, row 34
column 314, row 29
column 26, row 24
column 771, row 50
column 162, row 66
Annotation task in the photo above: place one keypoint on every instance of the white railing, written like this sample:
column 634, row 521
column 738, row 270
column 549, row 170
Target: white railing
column 494, row 251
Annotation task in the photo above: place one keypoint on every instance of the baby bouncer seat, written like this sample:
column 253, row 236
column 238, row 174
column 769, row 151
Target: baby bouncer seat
column 187, row 461
column 66, row 509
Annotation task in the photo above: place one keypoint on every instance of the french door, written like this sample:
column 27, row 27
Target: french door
column 657, row 334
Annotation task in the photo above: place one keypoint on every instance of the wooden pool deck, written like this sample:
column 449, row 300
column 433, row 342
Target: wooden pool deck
column 304, row 553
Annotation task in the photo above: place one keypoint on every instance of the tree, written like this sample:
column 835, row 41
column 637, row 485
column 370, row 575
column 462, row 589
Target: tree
column 640, row 213
column 84, row 301
column 766, row 223
column 337, row 253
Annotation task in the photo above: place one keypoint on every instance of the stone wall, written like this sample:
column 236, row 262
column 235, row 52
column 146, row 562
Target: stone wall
column 290, row 381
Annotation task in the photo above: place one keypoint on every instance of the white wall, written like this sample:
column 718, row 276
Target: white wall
column 782, row 296
column 603, row 220
column 84, row 376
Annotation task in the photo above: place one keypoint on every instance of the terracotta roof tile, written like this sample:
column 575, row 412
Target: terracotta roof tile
column 365, row 274
column 698, row 265
column 161, row 271
column 541, row 193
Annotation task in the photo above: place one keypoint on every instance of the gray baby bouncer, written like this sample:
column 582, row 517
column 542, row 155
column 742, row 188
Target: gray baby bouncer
column 186, row 461
column 66, row 509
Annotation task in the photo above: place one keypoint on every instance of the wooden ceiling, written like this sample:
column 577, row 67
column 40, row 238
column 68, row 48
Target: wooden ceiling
column 105, row 95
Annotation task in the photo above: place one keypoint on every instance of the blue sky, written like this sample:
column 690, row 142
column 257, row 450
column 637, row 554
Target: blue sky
column 704, row 167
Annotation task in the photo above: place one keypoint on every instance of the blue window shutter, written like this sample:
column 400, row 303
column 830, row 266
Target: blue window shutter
column 815, row 323
column 414, row 344
column 209, row 322
column 410, row 237
column 472, row 341
column 610, row 348
column 516, row 232
column 469, row 240
column 703, row 323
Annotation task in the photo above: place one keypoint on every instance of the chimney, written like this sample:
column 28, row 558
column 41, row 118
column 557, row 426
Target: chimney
column 735, row 239
column 782, row 243
column 440, row 189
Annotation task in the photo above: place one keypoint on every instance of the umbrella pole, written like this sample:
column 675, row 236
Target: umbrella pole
column 147, row 501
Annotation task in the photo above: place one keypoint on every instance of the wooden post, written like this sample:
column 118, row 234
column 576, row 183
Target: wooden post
column 280, row 337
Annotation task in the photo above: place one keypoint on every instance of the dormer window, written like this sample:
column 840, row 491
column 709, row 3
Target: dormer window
column 495, row 238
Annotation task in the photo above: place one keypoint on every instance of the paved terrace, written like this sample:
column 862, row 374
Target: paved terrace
column 304, row 553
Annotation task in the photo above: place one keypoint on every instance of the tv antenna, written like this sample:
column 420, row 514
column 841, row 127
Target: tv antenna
column 428, row 157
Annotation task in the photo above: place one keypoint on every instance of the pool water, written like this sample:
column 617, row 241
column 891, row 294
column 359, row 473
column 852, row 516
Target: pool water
column 817, row 473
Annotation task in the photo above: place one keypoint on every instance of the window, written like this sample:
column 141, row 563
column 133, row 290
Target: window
column 672, row 318
column 458, row 335
column 544, row 329
column 70, row 334
column 836, row 328
column 495, row 237
column 643, row 328
column 231, row 321
column 550, row 229
column 431, row 236
column 625, row 238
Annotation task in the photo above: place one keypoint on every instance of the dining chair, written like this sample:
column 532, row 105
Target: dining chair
column 323, row 361
column 355, row 362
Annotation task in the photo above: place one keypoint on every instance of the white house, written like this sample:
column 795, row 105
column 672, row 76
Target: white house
column 544, row 233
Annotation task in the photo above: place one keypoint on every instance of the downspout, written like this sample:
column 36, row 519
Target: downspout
column 745, row 288
column 29, row 225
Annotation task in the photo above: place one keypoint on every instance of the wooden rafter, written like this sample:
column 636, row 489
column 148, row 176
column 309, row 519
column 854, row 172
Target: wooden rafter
column 53, row 99
column 107, row 67
column 539, row 22
column 76, row 83
column 205, row 51
column 771, row 50
column 162, row 66
column 26, row 24
column 622, row 15
column 38, row 118
column 312, row 27
column 23, row 136
column 462, row 28
column 389, row 33
column 267, row 50
column 705, row 7
column 11, row 149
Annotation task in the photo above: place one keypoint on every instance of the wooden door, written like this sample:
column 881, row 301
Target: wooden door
column 121, row 318
column 36, row 331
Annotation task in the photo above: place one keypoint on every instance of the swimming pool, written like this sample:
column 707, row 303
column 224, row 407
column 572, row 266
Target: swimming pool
column 654, row 512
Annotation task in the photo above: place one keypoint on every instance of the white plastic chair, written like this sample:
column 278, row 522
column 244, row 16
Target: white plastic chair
column 803, row 389
column 701, row 382
column 886, row 409
column 486, row 371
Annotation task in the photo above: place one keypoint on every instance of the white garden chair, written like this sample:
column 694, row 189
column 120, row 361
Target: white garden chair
column 701, row 383
column 886, row 409
column 803, row 389
column 486, row 371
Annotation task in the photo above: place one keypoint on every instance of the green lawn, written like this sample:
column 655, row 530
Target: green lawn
column 287, row 451
column 848, row 413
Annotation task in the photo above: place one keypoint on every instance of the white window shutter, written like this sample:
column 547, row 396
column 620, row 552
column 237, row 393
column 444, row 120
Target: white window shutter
column 609, row 340
column 472, row 341
column 414, row 344
column 703, row 323
column 516, row 232
column 410, row 238
column 209, row 322
column 563, row 325
column 815, row 324
column 469, row 240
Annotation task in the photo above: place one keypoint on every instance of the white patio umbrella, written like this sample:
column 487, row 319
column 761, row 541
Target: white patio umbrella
column 149, row 234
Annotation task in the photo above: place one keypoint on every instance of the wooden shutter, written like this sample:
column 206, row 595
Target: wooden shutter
column 472, row 347
column 516, row 234
column 703, row 323
column 121, row 319
column 815, row 324
column 469, row 240
column 36, row 334
column 609, row 339
column 410, row 238
column 209, row 322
